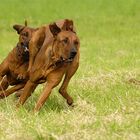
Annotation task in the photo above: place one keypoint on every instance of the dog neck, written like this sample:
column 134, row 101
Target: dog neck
column 51, row 61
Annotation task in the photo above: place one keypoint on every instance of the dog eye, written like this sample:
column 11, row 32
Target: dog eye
column 65, row 40
column 25, row 34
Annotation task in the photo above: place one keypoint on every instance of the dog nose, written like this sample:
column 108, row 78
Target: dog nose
column 73, row 53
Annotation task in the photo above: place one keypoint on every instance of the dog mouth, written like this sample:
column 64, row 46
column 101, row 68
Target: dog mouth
column 68, row 60
column 25, row 46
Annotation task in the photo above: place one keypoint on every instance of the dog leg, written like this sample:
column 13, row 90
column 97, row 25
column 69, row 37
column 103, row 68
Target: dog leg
column 4, row 84
column 8, row 92
column 1, row 82
column 44, row 96
column 1, row 78
column 18, row 93
column 4, row 68
column 53, row 80
column 22, row 72
column 28, row 89
column 63, row 89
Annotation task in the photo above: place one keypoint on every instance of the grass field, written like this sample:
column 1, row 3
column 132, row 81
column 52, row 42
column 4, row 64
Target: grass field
column 107, row 105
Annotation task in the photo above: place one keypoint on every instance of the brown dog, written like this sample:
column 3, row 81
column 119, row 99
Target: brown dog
column 58, row 56
column 13, row 70
column 42, row 34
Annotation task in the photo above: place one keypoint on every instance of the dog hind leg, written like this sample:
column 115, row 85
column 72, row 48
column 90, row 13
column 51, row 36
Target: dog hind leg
column 4, row 84
column 8, row 92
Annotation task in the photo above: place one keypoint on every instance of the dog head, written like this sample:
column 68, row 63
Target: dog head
column 25, row 34
column 66, row 42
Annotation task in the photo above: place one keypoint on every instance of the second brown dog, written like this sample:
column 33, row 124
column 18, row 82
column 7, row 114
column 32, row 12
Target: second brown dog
column 13, row 70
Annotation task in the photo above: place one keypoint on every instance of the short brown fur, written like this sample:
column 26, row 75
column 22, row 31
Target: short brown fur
column 13, row 70
column 58, row 56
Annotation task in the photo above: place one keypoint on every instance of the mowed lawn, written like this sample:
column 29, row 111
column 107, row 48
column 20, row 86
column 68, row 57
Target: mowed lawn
column 107, row 104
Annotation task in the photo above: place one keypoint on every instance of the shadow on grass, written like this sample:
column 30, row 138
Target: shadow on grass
column 53, row 103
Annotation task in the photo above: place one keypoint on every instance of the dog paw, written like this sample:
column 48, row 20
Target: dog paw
column 21, row 77
column 18, row 93
column 70, row 102
column 2, row 96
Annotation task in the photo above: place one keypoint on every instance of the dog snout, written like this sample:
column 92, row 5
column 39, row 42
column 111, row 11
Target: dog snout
column 73, row 53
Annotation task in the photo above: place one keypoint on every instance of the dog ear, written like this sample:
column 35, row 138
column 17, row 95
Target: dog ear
column 68, row 25
column 54, row 29
column 18, row 28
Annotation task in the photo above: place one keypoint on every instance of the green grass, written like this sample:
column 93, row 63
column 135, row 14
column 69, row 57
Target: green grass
column 107, row 105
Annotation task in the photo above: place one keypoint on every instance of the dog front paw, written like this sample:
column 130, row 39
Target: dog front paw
column 70, row 102
column 21, row 77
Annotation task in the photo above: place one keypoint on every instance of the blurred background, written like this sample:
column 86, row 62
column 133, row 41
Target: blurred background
column 107, row 29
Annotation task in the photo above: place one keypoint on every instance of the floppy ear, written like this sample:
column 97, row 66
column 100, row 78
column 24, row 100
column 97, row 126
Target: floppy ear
column 68, row 25
column 18, row 28
column 54, row 29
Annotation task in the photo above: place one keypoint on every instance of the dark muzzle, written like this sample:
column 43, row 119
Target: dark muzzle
column 73, row 53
